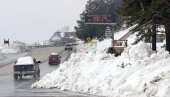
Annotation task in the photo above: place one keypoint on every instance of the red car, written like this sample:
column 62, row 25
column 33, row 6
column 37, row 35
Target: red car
column 54, row 59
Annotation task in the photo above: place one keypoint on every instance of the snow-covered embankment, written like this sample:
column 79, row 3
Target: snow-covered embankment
column 136, row 73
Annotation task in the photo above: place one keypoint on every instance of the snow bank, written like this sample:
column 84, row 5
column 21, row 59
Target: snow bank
column 132, row 39
column 15, row 47
column 103, row 45
column 136, row 73
column 121, row 33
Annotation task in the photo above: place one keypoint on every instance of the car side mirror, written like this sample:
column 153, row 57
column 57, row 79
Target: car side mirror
column 38, row 62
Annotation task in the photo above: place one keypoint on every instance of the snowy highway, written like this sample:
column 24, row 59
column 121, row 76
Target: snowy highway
column 22, row 88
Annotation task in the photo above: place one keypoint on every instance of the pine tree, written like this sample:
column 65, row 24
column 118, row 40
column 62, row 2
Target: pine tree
column 147, row 14
column 96, row 7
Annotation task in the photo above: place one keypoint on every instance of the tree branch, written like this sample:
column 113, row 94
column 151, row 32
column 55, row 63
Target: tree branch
column 142, row 7
column 167, row 2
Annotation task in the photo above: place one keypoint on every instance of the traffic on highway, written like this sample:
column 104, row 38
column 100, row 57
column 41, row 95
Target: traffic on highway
column 17, row 76
column 84, row 48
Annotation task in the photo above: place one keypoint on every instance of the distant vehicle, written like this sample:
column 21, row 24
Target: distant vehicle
column 26, row 66
column 74, row 44
column 54, row 59
column 68, row 47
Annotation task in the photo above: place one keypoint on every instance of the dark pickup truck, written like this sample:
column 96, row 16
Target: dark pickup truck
column 26, row 66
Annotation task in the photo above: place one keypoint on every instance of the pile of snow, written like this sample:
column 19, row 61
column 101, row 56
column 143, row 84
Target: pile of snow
column 121, row 33
column 15, row 47
column 103, row 45
column 132, row 38
column 25, row 60
column 136, row 73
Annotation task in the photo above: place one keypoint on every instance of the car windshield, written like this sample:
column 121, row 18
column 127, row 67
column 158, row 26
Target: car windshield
column 68, row 45
column 54, row 56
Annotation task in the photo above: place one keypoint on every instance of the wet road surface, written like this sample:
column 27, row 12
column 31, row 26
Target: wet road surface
column 22, row 88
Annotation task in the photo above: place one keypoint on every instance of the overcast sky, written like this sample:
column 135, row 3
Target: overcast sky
column 37, row 20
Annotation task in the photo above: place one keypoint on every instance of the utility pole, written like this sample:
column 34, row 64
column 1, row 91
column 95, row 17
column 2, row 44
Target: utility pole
column 154, row 34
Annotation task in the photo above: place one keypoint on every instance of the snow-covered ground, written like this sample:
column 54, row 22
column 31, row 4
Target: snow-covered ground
column 8, row 58
column 10, row 53
column 136, row 73
column 15, row 47
column 121, row 33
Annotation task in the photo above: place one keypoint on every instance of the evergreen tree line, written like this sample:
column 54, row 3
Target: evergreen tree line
column 83, row 30
column 148, row 14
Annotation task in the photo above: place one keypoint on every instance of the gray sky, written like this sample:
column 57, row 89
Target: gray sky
column 37, row 20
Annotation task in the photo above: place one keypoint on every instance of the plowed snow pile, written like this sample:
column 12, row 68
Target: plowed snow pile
column 136, row 73
column 15, row 47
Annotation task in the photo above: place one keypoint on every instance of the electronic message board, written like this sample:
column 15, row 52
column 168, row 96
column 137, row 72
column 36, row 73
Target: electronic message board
column 100, row 19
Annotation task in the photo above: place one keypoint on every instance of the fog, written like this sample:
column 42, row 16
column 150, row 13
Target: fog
column 36, row 20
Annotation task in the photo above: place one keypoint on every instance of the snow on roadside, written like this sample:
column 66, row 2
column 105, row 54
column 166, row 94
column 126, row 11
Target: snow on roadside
column 132, row 38
column 15, row 47
column 136, row 73
column 120, row 34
